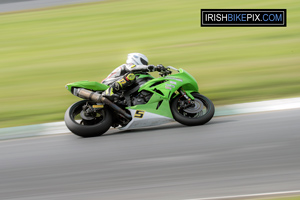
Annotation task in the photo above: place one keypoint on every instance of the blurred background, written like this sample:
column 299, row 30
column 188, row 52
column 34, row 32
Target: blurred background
column 43, row 50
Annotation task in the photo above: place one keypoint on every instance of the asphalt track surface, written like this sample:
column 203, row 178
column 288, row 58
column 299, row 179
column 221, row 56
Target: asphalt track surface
column 18, row 5
column 233, row 155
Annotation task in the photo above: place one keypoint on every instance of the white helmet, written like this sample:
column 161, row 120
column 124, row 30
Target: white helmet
column 137, row 59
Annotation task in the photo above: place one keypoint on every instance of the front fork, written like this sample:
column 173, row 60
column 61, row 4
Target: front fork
column 187, row 94
column 188, row 99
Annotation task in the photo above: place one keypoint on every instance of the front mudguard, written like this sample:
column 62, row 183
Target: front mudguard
column 189, row 93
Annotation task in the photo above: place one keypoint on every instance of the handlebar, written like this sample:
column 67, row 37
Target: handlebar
column 168, row 71
column 173, row 68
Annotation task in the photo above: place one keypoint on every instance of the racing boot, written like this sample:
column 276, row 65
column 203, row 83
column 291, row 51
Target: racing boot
column 109, row 93
column 126, row 81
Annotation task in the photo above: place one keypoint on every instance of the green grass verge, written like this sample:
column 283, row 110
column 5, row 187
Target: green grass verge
column 43, row 50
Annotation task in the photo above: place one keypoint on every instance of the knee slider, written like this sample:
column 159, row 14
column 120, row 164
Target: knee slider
column 130, row 77
column 127, row 80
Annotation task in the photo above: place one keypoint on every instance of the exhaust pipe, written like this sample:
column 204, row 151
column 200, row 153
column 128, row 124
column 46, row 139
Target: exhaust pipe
column 96, row 97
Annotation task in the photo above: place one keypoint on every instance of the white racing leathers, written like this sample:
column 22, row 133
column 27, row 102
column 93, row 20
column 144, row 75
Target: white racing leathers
column 120, row 71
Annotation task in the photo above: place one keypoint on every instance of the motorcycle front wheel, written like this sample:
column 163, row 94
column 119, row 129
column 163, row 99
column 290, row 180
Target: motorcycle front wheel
column 87, row 125
column 200, row 112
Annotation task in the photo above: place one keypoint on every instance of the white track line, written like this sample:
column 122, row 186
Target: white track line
column 249, row 195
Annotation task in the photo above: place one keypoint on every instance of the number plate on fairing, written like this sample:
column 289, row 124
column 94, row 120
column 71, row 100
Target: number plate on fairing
column 144, row 119
column 139, row 114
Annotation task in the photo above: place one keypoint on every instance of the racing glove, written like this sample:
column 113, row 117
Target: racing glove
column 160, row 68
column 151, row 68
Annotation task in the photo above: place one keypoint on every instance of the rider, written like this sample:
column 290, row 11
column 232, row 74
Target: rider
column 123, row 76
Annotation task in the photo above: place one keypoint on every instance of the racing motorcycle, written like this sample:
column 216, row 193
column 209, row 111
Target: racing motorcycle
column 148, row 102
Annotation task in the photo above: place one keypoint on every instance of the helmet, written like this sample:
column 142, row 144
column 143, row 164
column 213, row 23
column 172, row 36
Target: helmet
column 137, row 59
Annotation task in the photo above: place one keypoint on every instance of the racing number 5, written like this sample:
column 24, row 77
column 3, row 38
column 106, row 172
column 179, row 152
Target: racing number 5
column 139, row 114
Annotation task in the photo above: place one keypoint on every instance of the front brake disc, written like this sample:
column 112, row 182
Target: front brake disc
column 198, row 106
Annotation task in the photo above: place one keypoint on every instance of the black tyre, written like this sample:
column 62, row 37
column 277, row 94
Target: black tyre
column 199, row 113
column 87, row 126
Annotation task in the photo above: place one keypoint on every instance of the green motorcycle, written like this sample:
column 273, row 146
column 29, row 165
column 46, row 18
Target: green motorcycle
column 149, row 102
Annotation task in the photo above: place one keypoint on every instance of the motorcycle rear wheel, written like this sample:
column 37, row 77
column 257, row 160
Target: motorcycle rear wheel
column 94, row 126
column 200, row 114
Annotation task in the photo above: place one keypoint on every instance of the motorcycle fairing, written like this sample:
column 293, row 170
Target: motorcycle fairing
column 90, row 85
column 163, row 89
column 143, row 118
